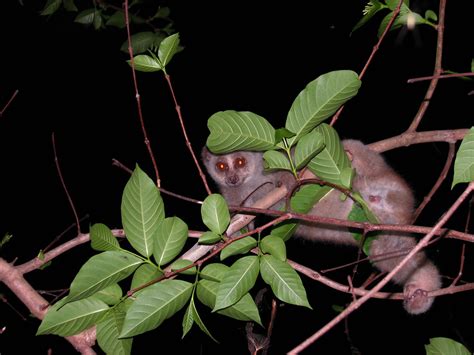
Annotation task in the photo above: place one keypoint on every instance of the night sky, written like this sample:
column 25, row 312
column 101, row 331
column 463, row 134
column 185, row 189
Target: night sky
column 242, row 56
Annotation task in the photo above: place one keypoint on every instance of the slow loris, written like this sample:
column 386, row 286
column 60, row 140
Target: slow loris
column 241, row 179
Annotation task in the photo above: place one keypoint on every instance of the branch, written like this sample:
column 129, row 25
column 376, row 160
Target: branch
column 9, row 102
column 408, row 138
column 441, row 178
column 372, row 54
column 437, row 70
column 186, row 139
column 443, row 76
column 13, row 278
column 137, row 96
column 36, row 263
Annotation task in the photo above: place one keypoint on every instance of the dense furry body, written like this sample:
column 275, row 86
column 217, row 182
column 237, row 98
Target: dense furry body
column 388, row 195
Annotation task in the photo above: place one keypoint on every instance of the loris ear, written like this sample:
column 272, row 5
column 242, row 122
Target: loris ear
column 205, row 154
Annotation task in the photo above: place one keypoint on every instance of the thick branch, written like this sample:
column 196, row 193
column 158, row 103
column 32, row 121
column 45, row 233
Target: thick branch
column 38, row 306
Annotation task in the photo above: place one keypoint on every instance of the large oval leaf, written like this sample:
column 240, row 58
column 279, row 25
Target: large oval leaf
column 245, row 309
column 154, row 305
column 102, row 238
column 215, row 213
column 308, row 146
column 232, row 130
column 168, row 48
column 172, row 235
column 72, row 318
column 284, row 281
column 100, row 271
column 331, row 163
column 319, row 100
column 142, row 211
column 464, row 163
column 275, row 160
column 240, row 246
column 237, row 281
column 108, row 331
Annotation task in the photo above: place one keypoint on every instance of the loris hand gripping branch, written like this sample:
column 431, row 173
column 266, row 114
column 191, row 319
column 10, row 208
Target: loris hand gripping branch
column 240, row 177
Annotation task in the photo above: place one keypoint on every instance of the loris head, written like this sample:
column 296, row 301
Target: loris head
column 232, row 169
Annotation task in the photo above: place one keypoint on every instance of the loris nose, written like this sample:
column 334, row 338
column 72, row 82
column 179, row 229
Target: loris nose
column 232, row 179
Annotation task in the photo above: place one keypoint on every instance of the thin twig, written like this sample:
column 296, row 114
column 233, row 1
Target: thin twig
column 439, row 181
column 166, row 192
column 188, row 142
column 437, row 69
column 8, row 103
column 372, row 54
column 441, row 76
column 137, row 96
column 71, row 203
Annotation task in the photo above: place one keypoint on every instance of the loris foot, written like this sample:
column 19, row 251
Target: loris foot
column 416, row 300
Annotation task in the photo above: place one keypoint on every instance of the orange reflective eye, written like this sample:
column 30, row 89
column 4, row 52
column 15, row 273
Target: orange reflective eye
column 221, row 166
column 240, row 162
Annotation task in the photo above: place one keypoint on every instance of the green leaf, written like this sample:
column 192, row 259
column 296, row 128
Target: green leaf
column 98, row 20
column 464, row 162
column 111, row 295
column 445, row 346
column 430, row 15
column 73, row 317
column 233, row 130
column 162, row 12
column 240, row 246
column 358, row 214
column 245, row 309
column 275, row 246
column 215, row 213
column 191, row 315
column 116, row 20
column 108, row 330
column 274, row 160
column 87, row 17
column 102, row 270
column 284, row 281
column 214, row 271
column 308, row 146
column 141, row 41
column 330, row 163
column 369, row 11
column 145, row 63
column 472, row 65
column 281, row 133
column 144, row 274
column 168, row 48
column 142, row 212
column 50, row 7
column 70, row 6
column 284, row 230
column 154, row 305
column 182, row 263
column 172, row 235
column 209, row 237
column 319, row 100
column 307, row 196
column 237, row 281
column 102, row 238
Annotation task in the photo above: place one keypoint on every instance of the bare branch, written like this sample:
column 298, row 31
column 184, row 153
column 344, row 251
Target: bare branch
column 437, row 69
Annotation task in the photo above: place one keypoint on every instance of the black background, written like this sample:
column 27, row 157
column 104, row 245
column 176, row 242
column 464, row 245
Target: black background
column 238, row 55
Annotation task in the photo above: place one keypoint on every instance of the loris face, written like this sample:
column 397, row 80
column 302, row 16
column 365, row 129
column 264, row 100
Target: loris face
column 233, row 169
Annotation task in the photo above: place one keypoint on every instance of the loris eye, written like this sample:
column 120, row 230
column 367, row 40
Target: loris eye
column 240, row 162
column 221, row 166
